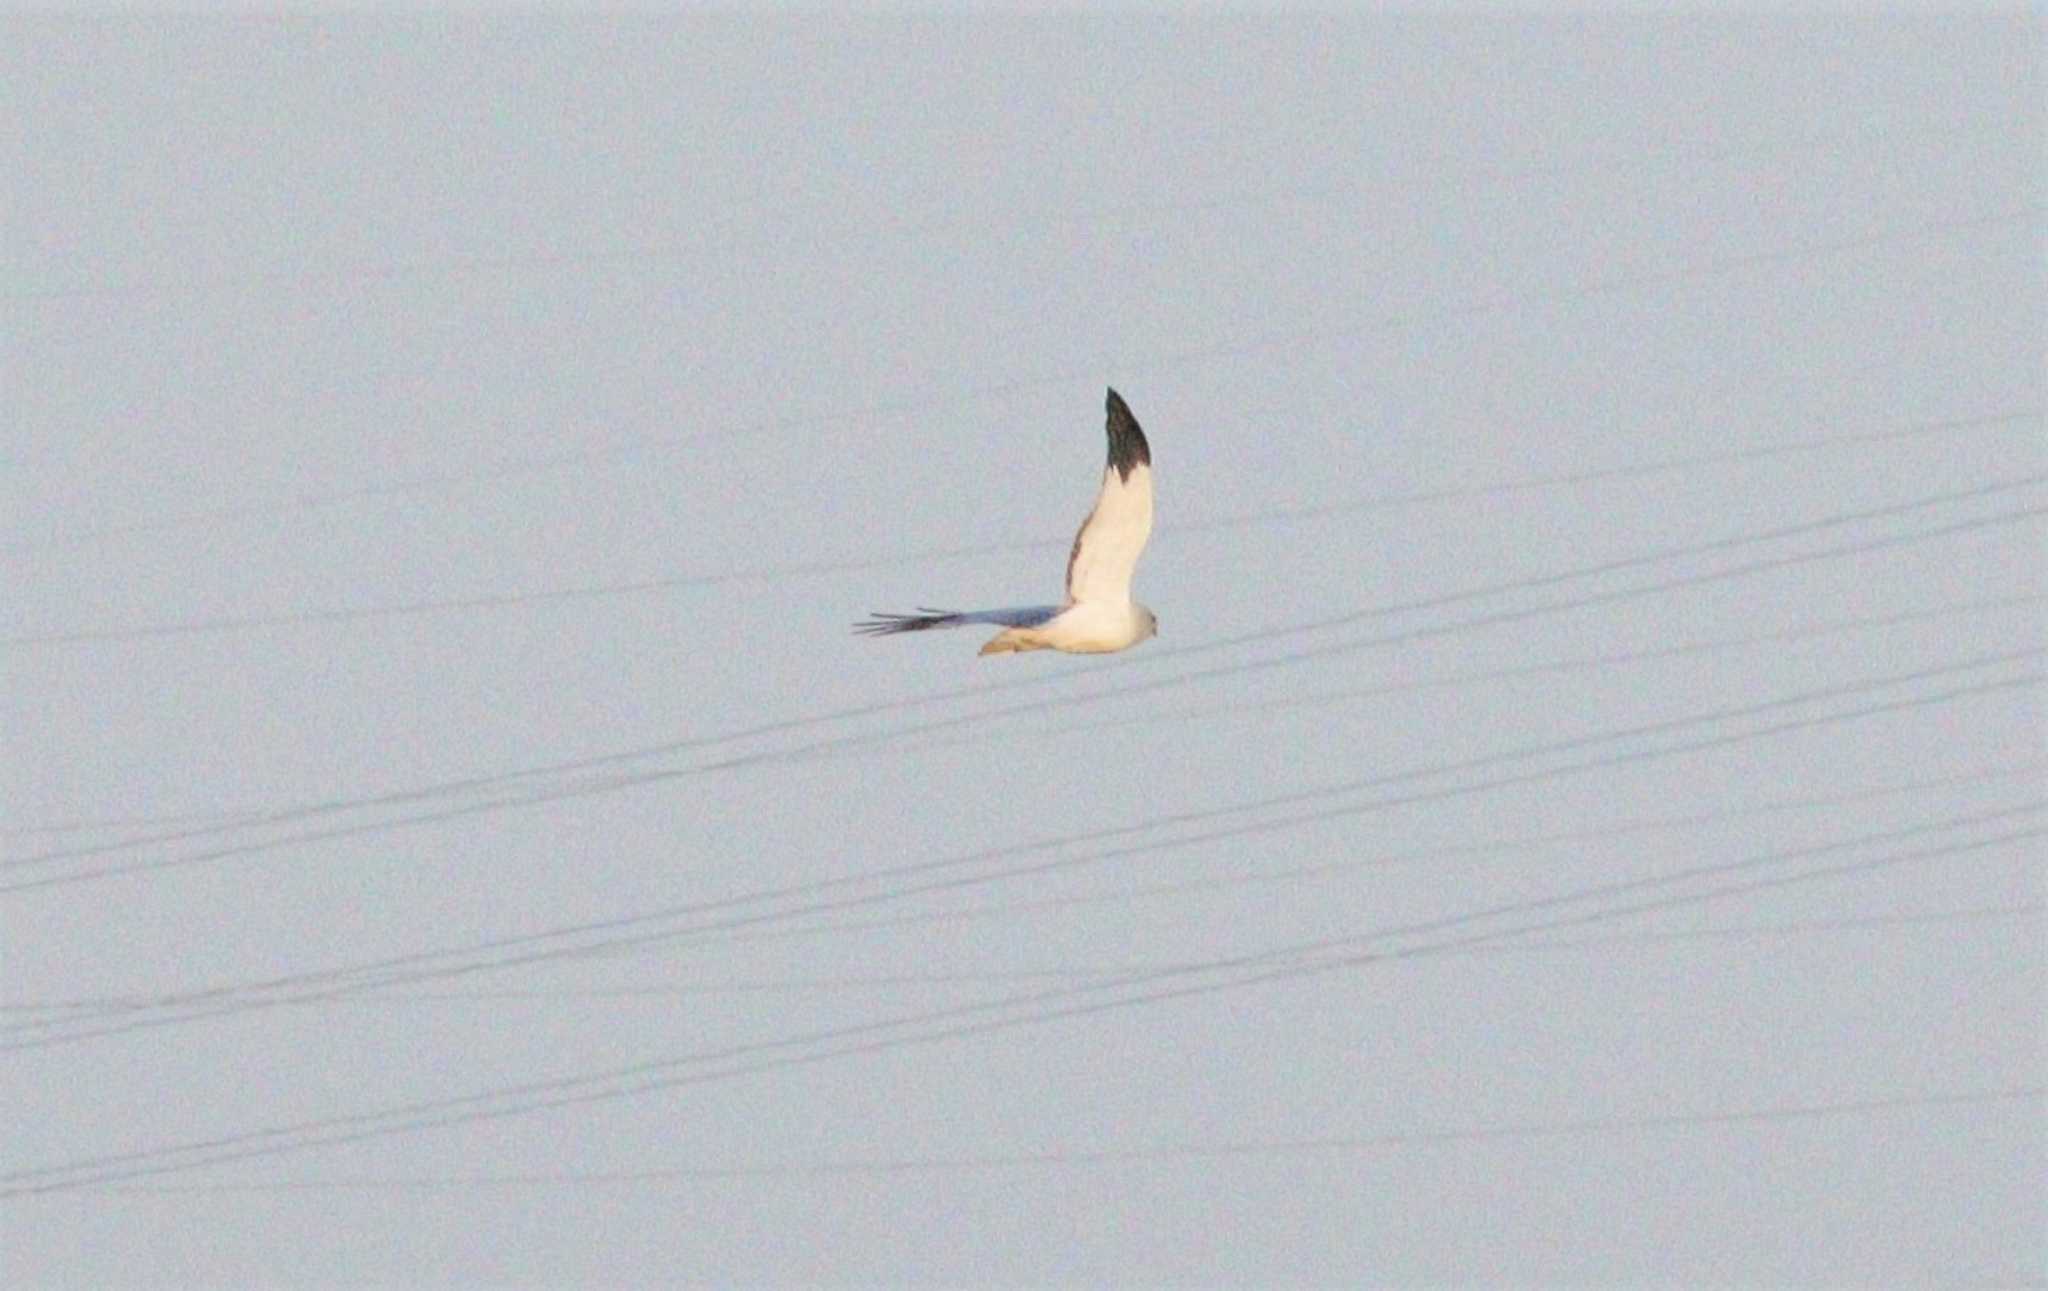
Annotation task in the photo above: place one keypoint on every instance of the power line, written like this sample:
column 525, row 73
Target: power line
column 1125, row 895
column 616, row 783
column 642, row 443
column 1264, row 706
column 1108, row 1156
column 863, row 983
column 511, row 779
column 1229, row 832
column 758, row 210
column 1326, row 955
column 893, row 737
column 771, row 574
column 128, row 1004
column 1553, row 667
column 743, row 911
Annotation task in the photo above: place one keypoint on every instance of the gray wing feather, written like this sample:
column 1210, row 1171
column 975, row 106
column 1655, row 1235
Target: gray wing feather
column 881, row 624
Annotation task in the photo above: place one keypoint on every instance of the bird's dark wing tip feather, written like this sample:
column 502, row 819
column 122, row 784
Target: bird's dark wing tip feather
column 1127, row 447
column 881, row 623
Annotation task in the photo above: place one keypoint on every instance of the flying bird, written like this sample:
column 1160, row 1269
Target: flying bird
column 1098, row 615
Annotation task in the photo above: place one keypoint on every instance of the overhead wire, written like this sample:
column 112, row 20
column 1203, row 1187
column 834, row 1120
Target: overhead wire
column 311, row 617
column 1069, row 1156
column 138, row 1003
column 1916, row 130
column 1268, row 705
column 511, row 780
column 460, row 1110
column 861, row 983
column 1496, row 302
column 785, row 902
column 1294, row 961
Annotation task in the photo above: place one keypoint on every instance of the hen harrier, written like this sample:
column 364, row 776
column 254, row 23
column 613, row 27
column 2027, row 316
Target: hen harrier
column 1098, row 615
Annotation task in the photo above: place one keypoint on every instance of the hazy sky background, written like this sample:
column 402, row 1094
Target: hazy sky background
column 1580, row 820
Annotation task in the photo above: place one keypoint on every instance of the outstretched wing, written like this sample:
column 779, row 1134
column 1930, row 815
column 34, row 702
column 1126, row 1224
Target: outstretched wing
column 882, row 625
column 1106, row 549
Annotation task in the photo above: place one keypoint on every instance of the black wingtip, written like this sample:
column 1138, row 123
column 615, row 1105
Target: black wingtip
column 1127, row 447
column 882, row 623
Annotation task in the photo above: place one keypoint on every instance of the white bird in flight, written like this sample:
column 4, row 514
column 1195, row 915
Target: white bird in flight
column 1098, row 615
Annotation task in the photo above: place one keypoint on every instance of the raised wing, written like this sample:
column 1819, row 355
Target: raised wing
column 1106, row 549
column 881, row 625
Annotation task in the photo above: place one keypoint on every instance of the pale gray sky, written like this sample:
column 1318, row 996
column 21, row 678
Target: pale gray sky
column 1579, row 821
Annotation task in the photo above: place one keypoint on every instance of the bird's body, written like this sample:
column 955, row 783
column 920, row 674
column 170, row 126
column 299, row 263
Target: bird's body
column 1098, row 615
column 1085, row 627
